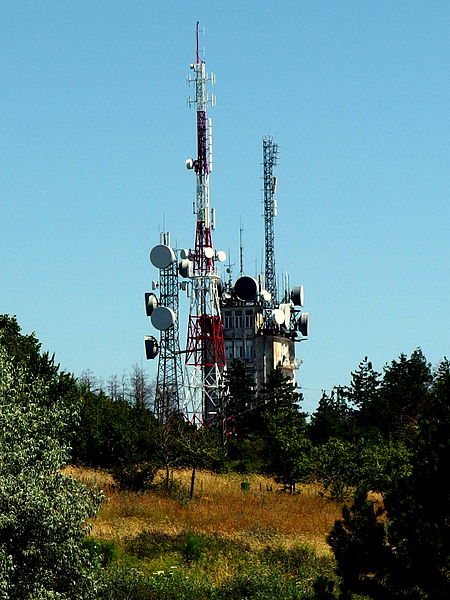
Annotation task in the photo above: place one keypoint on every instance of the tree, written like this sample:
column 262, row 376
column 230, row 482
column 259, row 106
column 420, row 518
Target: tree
column 404, row 394
column 140, row 388
column 240, row 400
column 400, row 551
column 113, row 433
column 43, row 513
column 363, row 395
column 332, row 418
column 202, row 449
column 284, row 430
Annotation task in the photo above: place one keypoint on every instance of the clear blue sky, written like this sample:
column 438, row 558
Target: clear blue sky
column 94, row 130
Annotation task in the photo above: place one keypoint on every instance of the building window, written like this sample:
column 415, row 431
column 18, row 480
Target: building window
column 229, row 349
column 238, row 320
column 238, row 349
column 228, row 319
column 249, row 349
column 249, row 319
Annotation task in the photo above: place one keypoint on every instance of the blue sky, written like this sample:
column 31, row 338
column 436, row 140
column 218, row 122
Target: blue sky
column 94, row 131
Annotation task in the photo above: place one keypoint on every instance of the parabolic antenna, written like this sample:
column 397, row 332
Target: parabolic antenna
column 151, row 347
column 163, row 318
column 151, row 302
column 221, row 255
column 209, row 252
column 246, row 288
column 185, row 267
column 162, row 256
column 298, row 295
column 266, row 296
column 286, row 308
column 185, row 253
column 278, row 316
column 303, row 324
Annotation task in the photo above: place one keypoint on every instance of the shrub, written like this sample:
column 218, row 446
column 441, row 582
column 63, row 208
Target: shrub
column 193, row 547
column 103, row 550
column 135, row 478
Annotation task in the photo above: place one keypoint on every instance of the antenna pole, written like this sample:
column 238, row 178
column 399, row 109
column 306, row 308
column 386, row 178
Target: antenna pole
column 205, row 351
column 270, row 152
column 241, row 250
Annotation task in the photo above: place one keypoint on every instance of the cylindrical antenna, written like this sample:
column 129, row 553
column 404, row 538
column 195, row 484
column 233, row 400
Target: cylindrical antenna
column 241, row 250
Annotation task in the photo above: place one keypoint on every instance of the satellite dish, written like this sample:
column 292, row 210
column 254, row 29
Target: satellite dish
column 189, row 162
column 286, row 308
column 220, row 288
column 151, row 302
column 226, row 297
column 151, row 347
column 303, row 324
column 185, row 267
column 278, row 316
column 298, row 295
column 246, row 288
column 162, row 256
column 163, row 318
column 221, row 255
column 266, row 296
column 209, row 252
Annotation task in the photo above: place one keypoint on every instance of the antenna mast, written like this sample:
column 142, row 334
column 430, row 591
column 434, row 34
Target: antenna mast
column 270, row 158
column 169, row 382
column 205, row 351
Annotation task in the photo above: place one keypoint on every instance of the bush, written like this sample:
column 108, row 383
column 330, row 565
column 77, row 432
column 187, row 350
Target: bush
column 103, row 550
column 135, row 478
column 193, row 547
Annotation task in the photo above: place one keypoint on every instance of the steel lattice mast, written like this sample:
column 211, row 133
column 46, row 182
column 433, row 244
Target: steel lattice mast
column 169, row 382
column 205, row 352
column 270, row 152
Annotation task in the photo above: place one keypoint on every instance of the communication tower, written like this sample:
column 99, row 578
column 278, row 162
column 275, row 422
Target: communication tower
column 259, row 330
column 270, row 152
column 205, row 353
column 163, row 313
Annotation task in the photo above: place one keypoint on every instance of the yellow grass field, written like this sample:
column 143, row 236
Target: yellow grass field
column 259, row 517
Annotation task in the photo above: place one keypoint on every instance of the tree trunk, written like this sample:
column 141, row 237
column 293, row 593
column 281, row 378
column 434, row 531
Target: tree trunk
column 191, row 491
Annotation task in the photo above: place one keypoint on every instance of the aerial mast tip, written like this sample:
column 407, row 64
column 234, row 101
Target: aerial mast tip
column 197, row 39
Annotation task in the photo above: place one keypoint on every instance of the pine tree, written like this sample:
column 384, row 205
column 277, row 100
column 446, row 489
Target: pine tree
column 240, row 401
column 401, row 550
column 331, row 419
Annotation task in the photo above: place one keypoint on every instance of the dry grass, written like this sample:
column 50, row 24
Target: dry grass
column 258, row 517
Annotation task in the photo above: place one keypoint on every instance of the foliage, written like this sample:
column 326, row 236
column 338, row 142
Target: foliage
column 193, row 547
column 240, row 401
column 135, row 477
column 333, row 465
column 102, row 551
column 401, row 550
column 331, row 419
column 43, row 513
column 287, row 447
column 113, row 433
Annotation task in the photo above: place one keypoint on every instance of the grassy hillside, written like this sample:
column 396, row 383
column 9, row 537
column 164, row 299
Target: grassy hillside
column 226, row 539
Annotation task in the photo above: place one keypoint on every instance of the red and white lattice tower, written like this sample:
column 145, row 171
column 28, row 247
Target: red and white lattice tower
column 205, row 353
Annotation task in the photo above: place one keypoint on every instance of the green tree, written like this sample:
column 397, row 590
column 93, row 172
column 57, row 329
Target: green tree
column 240, row 400
column 287, row 447
column 331, row 419
column 401, row 551
column 43, row 514
column 113, row 433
